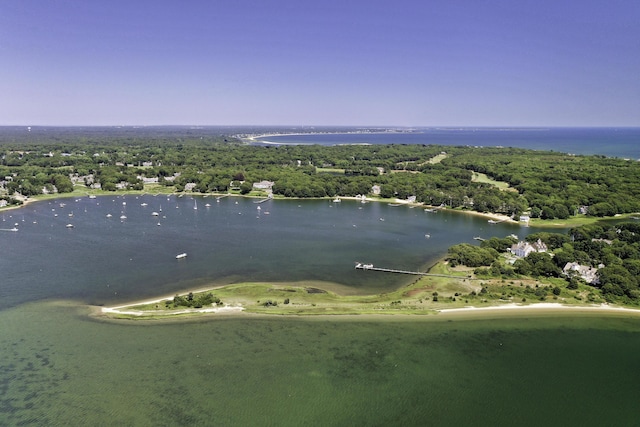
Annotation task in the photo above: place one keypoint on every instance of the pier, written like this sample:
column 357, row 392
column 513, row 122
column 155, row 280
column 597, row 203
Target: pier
column 263, row 200
column 497, row 221
column 370, row 267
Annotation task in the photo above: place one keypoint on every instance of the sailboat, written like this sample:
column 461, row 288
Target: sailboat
column 195, row 204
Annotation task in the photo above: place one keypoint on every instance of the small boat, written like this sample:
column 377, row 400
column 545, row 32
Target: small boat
column 143, row 204
column 207, row 205
column 395, row 204
column 491, row 221
column 155, row 213
column 195, row 204
column 92, row 196
column 109, row 215
column 69, row 225
column 123, row 217
column 182, row 255
column 337, row 200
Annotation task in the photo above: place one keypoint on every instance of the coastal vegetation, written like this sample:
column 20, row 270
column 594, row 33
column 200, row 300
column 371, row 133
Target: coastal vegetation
column 543, row 185
column 606, row 257
column 479, row 276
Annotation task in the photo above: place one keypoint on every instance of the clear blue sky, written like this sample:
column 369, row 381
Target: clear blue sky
column 328, row 62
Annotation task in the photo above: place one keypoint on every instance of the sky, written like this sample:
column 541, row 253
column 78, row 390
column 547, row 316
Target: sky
column 328, row 62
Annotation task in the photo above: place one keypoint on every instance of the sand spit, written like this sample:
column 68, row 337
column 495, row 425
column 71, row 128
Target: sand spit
column 541, row 306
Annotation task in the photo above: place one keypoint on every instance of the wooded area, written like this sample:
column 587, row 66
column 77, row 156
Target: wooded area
column 611, row 251
column 543, row 184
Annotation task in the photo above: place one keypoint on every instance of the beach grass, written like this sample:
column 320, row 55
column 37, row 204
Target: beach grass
column 427, row 295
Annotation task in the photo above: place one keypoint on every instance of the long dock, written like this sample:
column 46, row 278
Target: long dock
column 370, row 267
column 262, row 200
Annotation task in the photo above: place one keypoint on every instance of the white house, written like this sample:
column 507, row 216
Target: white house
column 263, row 185
column 522, row 248
column 589, row 274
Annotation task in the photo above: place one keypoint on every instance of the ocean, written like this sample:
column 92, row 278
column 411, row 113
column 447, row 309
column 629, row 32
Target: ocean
column 610, row 142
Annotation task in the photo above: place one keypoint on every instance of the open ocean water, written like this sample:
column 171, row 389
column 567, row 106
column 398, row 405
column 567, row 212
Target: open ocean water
column 60, row 366
column 610, row 142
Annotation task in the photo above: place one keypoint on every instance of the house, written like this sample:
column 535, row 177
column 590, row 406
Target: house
column 263, row 185
column 523, row 249
column 589, row 274
column 376, row 190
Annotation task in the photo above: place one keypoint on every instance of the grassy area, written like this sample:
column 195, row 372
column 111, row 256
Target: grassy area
column 425, row 296
column 483, row 178
column 334, row 171
column 437, row 159
column 578, row 220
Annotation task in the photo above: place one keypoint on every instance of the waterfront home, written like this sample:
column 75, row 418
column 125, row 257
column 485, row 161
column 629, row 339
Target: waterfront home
column 263, row 185
column 522, row 248
column 587, row 273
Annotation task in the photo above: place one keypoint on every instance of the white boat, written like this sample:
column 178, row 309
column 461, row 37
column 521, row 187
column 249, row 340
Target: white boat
column 337, row 200
column 195, row 204
column 69, row 225
column 92, row 196
column 182, row 255
column 143, row 204
column 155, row 213
column 123, row 217
column 207, row 205
column 109, row 215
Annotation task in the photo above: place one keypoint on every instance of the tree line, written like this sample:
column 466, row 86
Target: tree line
column 612, row 249
column 543, row 184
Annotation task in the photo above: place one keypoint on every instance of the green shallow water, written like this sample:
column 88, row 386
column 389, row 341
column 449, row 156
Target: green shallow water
column 58, row 366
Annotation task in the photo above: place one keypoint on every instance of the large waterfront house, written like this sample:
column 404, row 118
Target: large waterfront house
column 522, row 248
column 588, row 274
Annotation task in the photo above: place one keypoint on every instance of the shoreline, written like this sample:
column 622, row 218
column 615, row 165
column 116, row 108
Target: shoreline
column 468, row 311
column 549, row 306
column 488, row 215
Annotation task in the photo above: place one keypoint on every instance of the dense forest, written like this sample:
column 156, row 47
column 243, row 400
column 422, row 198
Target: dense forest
column 611, row 251
column 509, row 181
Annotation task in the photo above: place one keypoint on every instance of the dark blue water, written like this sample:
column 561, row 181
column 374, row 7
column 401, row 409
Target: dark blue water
column 610, row 142
column 104, row 260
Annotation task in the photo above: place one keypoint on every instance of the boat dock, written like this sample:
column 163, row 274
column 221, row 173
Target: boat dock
column 370, row 267
column 497, row 221
column 262, row 200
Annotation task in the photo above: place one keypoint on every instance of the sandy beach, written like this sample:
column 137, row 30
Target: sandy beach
column 541, row 306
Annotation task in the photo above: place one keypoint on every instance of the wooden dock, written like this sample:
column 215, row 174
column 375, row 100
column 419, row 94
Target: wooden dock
column 370, row 267
column 262, row 200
